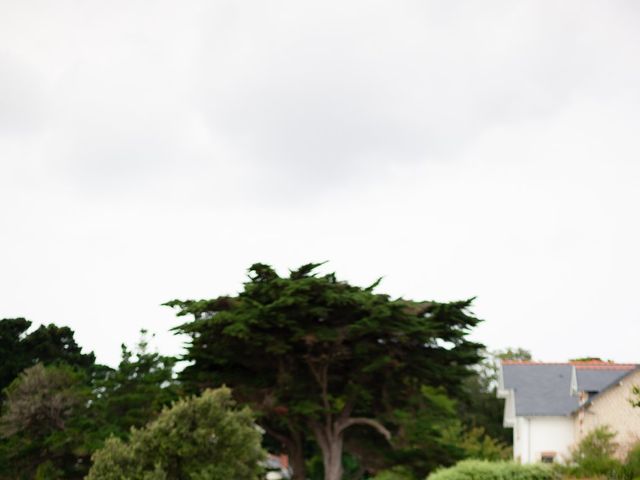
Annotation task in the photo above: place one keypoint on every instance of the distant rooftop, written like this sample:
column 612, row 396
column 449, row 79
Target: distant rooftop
column 544, row 389
column 597, row 364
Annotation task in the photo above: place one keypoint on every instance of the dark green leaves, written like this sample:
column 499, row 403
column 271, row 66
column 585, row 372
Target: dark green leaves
column 308, row 348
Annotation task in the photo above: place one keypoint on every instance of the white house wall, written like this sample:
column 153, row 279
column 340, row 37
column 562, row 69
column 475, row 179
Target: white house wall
column 520, row 440
column 534, row 435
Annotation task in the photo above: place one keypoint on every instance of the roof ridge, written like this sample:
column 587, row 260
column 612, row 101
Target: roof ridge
column 531, row 362
column 578, row 365
column 616, row 366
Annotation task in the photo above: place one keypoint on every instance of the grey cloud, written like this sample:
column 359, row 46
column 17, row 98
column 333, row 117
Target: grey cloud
column 324, row 93
column 23, row 105
column 152, row 153
column 307, row 97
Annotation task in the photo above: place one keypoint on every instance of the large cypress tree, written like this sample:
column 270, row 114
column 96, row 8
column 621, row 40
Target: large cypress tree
column 320, row 359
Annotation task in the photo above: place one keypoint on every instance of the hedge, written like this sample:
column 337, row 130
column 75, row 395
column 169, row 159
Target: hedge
column 484, row 470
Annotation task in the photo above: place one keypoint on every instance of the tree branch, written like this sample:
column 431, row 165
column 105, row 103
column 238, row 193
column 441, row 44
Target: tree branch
column 321, row 437
column 286, row 441
column 322, row 377
column 348, row 408
column 370, row 422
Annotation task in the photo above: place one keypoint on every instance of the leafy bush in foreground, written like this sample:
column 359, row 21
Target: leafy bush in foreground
column 199, row 438
column 483, row 470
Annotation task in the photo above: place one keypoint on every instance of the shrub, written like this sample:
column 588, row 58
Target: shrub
column 39, row 434
column 395, row 473
column 632, row 463
column 594, row 455
column 477, row 445
column 484, row 470
column 200, row 438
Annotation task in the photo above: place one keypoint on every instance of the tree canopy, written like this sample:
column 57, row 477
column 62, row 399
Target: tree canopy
column 37, row 424
column 57, row 412
column 135, row 392
column 480, row 407
column 20, row 349
column 318, row 358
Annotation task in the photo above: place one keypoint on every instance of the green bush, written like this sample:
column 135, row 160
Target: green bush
column 633, row 462
column 395, row 473
column 198, row 438
column 594, row 455
column 477, row 445
column 484, row 470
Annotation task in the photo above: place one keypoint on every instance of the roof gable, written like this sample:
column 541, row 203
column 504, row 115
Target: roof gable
column 615, row 383
column 594, row 380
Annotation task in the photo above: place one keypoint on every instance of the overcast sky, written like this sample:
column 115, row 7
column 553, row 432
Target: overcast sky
column 155, row 150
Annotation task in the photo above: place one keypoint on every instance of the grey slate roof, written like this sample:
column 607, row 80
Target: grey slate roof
column 614, row 383
column 590, row 380
column 544, row 389
column 540, row 389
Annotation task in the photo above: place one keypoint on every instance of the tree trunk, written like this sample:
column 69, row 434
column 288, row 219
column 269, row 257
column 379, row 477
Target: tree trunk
column 330, row 438
column 296, row 457
column 331, row 443
column 333, row 462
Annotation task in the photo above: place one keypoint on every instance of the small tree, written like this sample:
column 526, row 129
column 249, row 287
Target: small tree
column 37, row 423
column 40, row 401
column 479, row 406
column 199, row 438
column 135, row 392
column 594, row 455
column 477, row 445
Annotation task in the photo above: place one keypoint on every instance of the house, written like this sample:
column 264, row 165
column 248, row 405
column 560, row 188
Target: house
column 552, row 406
column 611, row 406
column 277, row 467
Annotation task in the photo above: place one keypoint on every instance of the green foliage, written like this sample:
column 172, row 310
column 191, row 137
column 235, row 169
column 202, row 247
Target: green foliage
column 53, row 344
column 519, row 354
column 48, row 471
column 476, row 444
column 635, row 400
column 425, row 438
column 200, row 438
column 135, row 392
column 56, row 416
column 40, row 401
column 594, row 455
column 632, row 463
column 590, row 359
column 12, row 351
column 484, row 470
column 352, row 468
column 22, row 451
column 395, row 473
column 307, row 351
column 47, row 345
column 37, row 422
column 479, row 406
column 436, row 437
